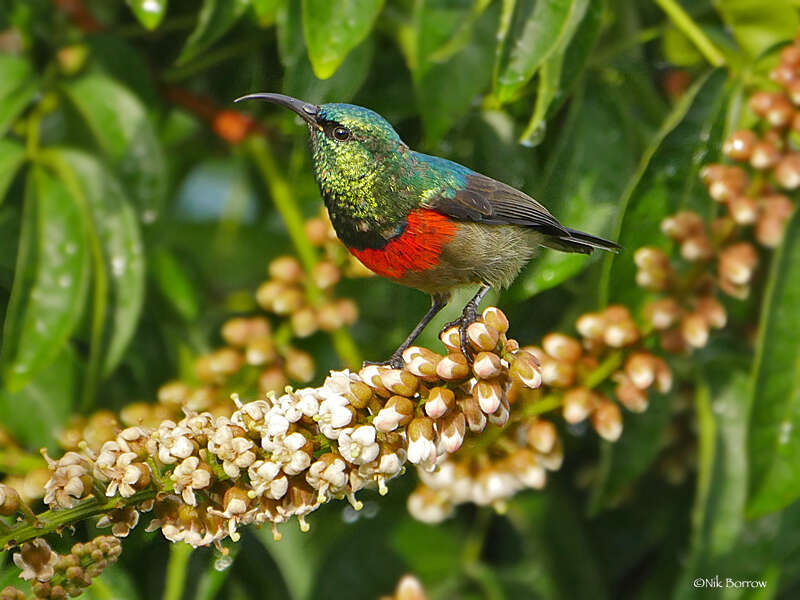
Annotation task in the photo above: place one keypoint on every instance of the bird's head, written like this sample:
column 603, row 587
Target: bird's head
column 348, row 142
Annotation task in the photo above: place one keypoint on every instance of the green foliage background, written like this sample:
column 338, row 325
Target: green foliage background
column 129, row 230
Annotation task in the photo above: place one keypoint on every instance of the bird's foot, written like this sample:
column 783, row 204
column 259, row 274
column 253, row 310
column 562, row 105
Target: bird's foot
column 468, row 316
column 395, row 361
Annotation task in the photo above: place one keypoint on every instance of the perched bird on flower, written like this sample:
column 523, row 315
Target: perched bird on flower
column 421, row 220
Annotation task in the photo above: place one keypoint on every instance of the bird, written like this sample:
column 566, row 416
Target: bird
column 423, row 221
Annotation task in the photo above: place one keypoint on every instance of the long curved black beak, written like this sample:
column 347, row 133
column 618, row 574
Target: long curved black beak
column 307, row 111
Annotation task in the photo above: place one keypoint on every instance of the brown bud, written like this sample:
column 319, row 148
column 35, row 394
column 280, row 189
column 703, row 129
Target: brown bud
column 740, row 144
column 743, row 210
column 453, row 367
column 488, row 394
column 452, row 428
column 787, row 171
column 476, row 418
column 487, row 365
column 299, row 365
column 737, row 263
column 632, row 396
column 662, row 313
column 542, row 435
column 304, row 322
column 451, row 339
column 316, row 231
column 400, row 382
column 326, row 274
column 764, row 156
column 591, row 326
column 496, row 319
column 329, row 317
column 578, row 404
column 173, row 393
column 562, row 347
column 288, row 300
column 694, row 329
column 267, row 292
column 421, row 361
column 348, row 310
column 696, row 247
column 712, row 311
column 607, row 420
column 272, row 380
column 286, row 269
column 525, row 369
column 9, row 500
column 439, row 401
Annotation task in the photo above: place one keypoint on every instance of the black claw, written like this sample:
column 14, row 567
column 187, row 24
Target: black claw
column 395, row 361
column 468, row 316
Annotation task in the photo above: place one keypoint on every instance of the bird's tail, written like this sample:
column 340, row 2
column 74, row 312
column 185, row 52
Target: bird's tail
column 578, row 241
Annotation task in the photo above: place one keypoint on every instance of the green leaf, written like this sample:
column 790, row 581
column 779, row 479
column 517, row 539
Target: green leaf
column 444, row 94
column 299, row 79
column 114, row 584
column 721, row 406
column 266, row 11
column 757, row 27
column 332, row 29
column 50, row 395
column 18, row 85
column 50, row 281
column 117, row 228
column 174, row 283
column 12, row 155
column 150, row 13
column 120, row 124
column 667, row 181
column 216, row 17
column 581, row 186
column 774, row 446
column 537, row 30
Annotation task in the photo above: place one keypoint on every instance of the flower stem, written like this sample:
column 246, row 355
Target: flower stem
column 286, row 203
column 179, row 555
column 603, row 370
column 681, row 19
column 51, row 521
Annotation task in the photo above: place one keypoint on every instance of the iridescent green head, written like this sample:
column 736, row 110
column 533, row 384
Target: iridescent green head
column 348, row 142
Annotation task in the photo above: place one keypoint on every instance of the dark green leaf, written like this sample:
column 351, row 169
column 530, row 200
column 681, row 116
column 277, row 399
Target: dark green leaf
column 444, row 92
column 538, row 30
column 216, row 17
column 149, row 12
column 721, row 406
column 774, row 446
column 332, row 29
column 174, row 283
column 581, row 186
column 757, row 26
column 18, row 85
column 667, row 181
column 50, row 280
column 35, row 414
column 117, row 228
column 12, row 155
column 120, row 124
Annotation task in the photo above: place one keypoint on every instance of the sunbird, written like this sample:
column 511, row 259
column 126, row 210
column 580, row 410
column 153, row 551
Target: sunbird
column 420, row 220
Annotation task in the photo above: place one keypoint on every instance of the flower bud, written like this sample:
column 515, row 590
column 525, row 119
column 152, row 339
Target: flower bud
column 525, row 369
column 764, row 156
column 326, row 274
column 452, row 428
column 299, row 365
column 787, row 171
column 288, row 300
column 607, row 420
column 578, row 404
column 662, row 314
column 316, row 230
column 591, row 326
column 500, row 417
column 272, row 380
column 9, row 500
column 421, row 361
column 542, row 435
column 712, row 310
column 440, row 400
column 399, row 381
column 451, row 338
column 286, row 269
column 422, row 442
column 696, row 247
column 496, row 319
column 487, row 365
column 694, row 329
column 743, row 210
column 348, row 310
column 304, row 322
column 268, row 291
column 398, row 410
column 488, row 394
column 476, row 418
column 629, row 394
column 562, row 347
column 482, row 337
column 737, row 263
column 260, row 352
column 453, row 367
column 329, row 317
column 740, row 144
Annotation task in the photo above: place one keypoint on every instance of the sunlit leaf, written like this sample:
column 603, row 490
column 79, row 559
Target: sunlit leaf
column 18, row 85
column 12, row 155
column 150, row 13
column 537, row 30
column 216, row 17
column 117, row 228
column 266, row 11
column 774, row 445
column 124, row 132
column 50, row 280
column 757, row 26
column 332, row 29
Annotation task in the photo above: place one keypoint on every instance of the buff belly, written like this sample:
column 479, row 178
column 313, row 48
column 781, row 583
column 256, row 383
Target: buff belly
column 477, row 254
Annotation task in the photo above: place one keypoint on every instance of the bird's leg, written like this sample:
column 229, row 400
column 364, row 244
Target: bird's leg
column 468, row 316
column 438, row 302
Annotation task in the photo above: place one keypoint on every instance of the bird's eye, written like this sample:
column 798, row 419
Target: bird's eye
column 341, row 133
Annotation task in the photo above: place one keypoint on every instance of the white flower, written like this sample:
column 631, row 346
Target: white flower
column 289, row 454
column 188, row 478
column 236, row 452
column 68, row 482
column 334, row 414
column 327, row 474
column 388, row 419
column 358, row 445
column 307, row 401
column 428, row 506
column 265, row 480
column 173, row 441
column 277, row 423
